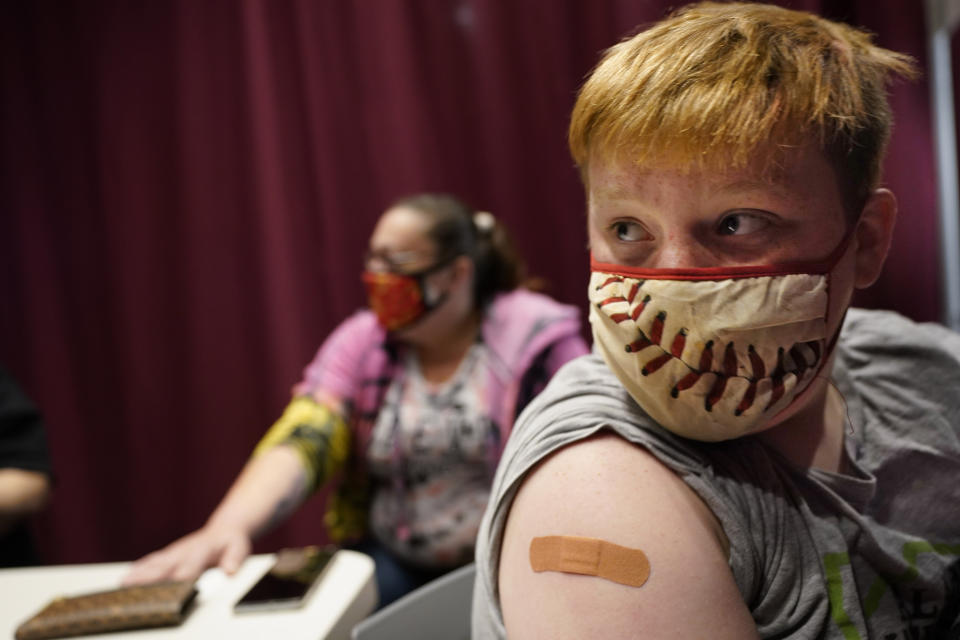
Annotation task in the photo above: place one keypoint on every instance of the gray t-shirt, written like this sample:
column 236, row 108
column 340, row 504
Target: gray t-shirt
column 870, row 554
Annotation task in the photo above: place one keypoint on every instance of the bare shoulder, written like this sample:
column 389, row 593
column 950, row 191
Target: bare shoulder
column 610, row 489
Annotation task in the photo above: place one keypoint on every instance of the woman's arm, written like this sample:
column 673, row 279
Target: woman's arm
column 22, row 493
column 303, row 450
column 268, row 490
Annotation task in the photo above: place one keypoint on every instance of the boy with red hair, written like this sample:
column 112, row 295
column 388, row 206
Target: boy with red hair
column 786, row 466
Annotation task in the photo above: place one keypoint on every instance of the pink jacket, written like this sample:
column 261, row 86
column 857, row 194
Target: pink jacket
column 525, row 331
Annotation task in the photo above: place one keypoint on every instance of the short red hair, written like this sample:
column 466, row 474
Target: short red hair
column 719, row 84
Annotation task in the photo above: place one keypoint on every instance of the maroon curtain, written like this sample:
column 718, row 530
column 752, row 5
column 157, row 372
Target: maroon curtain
column 187, row 186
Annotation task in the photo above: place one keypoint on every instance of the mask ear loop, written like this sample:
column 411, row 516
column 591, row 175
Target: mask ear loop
column 421, row 278
column 848, row 456
column 833, row 261
column 846, row 407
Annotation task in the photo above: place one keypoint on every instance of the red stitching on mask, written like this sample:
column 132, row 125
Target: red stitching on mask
column 747, row 400
column 655, row 364
column 656, row 329
column 616, row 317
column 730, row 360
column 687, row 381
column 729, row 364
column 610, row 300
column 609, row 281
column 719, row 386
column 759, row 371
column 639, row 344
column 799, row 361
column 777, row 379
column 679, row 342
column 729, row 370
column 639, row 308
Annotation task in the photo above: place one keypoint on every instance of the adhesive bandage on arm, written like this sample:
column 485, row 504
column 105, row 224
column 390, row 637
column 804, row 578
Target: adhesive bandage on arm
column 590, row 557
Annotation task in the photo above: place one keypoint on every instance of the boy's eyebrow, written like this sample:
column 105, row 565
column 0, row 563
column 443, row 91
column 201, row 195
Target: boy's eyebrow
column 751, row 184
column 618, row 190
column 780, row 189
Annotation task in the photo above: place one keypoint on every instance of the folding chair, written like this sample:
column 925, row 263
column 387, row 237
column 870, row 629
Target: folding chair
column 439, row 610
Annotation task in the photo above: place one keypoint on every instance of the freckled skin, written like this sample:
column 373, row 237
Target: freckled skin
column 681, row 214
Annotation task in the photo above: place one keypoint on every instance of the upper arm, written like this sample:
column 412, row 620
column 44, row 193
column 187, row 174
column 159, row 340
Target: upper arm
column 607, row 488
column 317, row 432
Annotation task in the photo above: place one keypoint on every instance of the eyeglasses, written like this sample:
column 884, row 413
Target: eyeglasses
column 393, row 261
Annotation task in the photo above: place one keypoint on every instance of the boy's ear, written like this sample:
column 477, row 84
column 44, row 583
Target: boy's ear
column 873, row 235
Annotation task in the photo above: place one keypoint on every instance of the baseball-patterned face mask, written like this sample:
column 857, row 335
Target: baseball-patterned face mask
column 713, row 353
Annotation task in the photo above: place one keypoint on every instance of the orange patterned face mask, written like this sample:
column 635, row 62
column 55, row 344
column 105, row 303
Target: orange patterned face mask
column 400, row 299
column 396, row 299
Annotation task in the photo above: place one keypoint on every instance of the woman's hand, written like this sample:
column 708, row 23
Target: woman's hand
column 188, row 557
column 268, row 489
column 22, row 493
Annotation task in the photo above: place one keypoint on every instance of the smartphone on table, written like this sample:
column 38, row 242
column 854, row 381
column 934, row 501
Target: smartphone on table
column 289, row 582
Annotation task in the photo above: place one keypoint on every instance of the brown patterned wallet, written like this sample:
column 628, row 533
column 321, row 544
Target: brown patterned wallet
column 137, row 607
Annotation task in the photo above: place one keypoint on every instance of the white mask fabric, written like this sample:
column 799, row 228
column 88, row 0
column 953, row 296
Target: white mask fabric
column 712, row 354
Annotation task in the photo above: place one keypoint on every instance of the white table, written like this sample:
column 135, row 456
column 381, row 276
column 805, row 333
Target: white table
column 347, row 593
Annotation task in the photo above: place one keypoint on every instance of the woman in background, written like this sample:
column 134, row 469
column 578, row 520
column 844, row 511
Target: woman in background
column 405, row 407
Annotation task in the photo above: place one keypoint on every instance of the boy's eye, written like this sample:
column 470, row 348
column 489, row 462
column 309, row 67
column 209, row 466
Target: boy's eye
column 738, row 224
column 627, row 231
